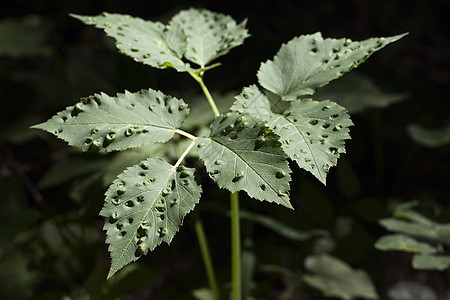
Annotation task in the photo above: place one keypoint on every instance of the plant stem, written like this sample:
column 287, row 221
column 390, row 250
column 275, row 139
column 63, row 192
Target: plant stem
column 199, row 79
column 235, row 247
column 186, row 134
column 234, row 199
column 184, row 153
column 209, row 267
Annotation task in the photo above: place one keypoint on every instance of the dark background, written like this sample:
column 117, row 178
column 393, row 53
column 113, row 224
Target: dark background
column 383, row 165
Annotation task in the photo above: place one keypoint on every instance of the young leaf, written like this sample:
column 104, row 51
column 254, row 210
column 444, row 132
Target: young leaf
column 244, row 154
column 150, row 43
column 209, row 35
column 144, row 207
column 335, row 278
column 312, row 133
column 103, row 123
column 308, row 62
column 401, row 242
column 431, row 262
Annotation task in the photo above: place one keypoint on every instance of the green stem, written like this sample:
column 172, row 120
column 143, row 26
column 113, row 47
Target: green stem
column 199, row 79
column 184, row 153
column 209, row 267
column 186, row 134
column 235, row 247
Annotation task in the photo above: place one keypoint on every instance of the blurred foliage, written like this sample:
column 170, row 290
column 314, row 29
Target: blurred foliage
column 52, row 243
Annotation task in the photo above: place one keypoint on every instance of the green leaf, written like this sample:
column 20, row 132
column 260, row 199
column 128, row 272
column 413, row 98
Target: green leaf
column 399, row 242
column 312, row 133
column 144, row 207
column 282, row 229
column 242, row 153
column 431, row 262
column 151, row 43
column 357, row 92
column 407, row 290
column 68, row 168
column 308, row 62
column 103, row 123
column 432, row 138
column 335, row 278
column 410, row 228
column 209, row 35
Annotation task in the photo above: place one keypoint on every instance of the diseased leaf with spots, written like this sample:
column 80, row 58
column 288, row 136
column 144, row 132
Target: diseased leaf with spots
column 308, row 62
column 401, row 242
column 145, row 206
column 243, row 153
column 104, row 123
column 209, row 34
column 312, row 133
column 151, row 43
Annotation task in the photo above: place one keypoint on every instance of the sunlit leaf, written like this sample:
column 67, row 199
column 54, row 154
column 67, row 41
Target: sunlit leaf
column 144, row 207
column 308, row 62
column 312, row 133
column 209, row 34
column 103, row 123
column 242, row 153
column 151, row 43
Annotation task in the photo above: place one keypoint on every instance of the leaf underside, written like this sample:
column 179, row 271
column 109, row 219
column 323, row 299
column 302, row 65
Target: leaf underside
column 103, row 123
column 308, row 62
column 209, row 34
column 145, row 206
column 194, row 35
column 244, row 154
column 312, row 133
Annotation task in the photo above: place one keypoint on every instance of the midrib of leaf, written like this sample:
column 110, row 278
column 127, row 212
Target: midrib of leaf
column 299, row 66
column 145, row 216
column 248, row 166
column 169, row 126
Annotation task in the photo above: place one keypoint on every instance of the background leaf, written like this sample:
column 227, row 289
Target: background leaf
column 357, row 92
column 103, row 123
column 431, row 262
column 282, row 229
column 145, row 206
column 432, row 138
column 308, row 62
column 244, row 154
column 406, row 290
column 401, row 242
column 334, row 278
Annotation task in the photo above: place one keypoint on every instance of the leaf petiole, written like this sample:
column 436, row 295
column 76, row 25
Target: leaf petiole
column 210, row 99
column 184, row 153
